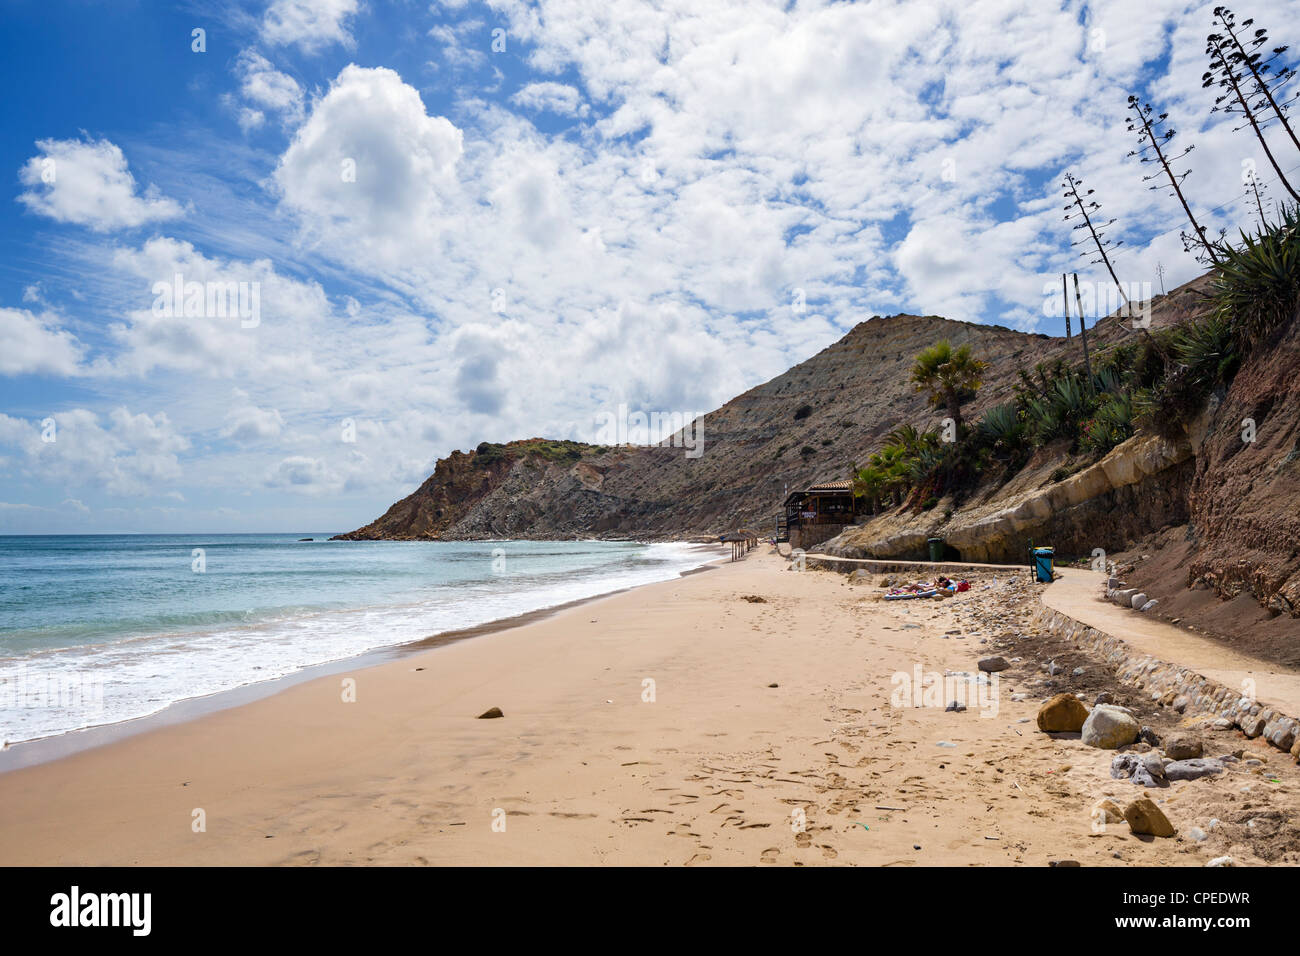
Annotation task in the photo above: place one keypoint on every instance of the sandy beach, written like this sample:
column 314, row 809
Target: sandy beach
column 680, row 723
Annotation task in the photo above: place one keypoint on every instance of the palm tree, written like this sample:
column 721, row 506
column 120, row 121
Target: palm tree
column 950, row 375
column 868, row 483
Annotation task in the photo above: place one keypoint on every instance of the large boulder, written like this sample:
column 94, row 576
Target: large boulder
column 1063, row 713
column 1109, row 727
column 1144, row 817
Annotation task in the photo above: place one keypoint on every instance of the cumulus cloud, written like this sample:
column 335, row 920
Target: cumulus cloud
column 88, row 183
column 309, row 24
column 34, row 345
column 265, row 89
column 371, row 164
column 129, row 455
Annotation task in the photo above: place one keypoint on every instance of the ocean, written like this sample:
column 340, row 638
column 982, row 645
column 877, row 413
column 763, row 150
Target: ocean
column 98, row 629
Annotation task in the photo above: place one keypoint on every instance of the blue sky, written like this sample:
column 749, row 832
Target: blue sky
column 471, row 221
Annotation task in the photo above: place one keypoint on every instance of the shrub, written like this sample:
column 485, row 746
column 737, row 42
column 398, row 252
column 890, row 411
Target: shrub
column 802, row 412
column 1257, row 284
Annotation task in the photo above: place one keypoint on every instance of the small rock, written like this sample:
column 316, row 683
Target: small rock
column 1252, row 727
column 1104, row 697
column 1054, row 668
column 1144, row 817
column 1078, row 672
column 1192, row 769
column 993, row 664
column 491, row 713
column 1222, row 861
column 1107, row 811
column 1063, row 863
column 1149, row 736
column 1197, row 834
column 1137, row 600
column 1149, row 605
column 955, row 707
column 1183, row 747
column 1154, row 765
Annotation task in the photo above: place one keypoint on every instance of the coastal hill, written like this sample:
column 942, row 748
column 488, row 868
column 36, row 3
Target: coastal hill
column 811, row 423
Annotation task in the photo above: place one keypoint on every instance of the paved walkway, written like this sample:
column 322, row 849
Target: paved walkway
column 1078, row 594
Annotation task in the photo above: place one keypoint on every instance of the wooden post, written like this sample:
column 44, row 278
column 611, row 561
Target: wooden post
column 1083, row 332
column 1065, row 294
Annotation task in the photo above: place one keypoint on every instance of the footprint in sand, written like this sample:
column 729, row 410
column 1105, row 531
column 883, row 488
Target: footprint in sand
column 770, row 855
column 803, row 840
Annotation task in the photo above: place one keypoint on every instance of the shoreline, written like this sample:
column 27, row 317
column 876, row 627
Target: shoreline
column 15, row 755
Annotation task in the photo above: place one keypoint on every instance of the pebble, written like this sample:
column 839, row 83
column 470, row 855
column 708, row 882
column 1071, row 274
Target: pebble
column 1197, row 834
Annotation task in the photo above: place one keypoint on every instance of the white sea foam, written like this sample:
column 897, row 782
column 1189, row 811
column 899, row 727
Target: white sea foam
column 56, row 691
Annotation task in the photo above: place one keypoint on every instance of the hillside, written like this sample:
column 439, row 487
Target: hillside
column 755, row 445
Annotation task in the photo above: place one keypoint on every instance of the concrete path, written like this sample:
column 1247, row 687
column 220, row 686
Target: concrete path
column 1078, row 593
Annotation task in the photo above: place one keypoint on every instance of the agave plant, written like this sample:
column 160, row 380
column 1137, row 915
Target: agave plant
column 1111, row 424
column 1257, row 284
column 1207, row 350
column 1004, row 430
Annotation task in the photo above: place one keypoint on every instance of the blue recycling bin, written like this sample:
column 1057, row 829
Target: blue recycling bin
column 1043, row 558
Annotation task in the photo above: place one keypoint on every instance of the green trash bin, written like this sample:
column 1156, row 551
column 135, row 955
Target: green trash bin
column 936, row 549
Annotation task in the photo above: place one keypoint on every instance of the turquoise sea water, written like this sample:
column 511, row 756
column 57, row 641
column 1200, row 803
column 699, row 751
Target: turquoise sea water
column 101, row 628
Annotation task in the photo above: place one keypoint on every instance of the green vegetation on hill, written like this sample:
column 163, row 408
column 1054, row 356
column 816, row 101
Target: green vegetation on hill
column 488, row 453
column 1158, row 384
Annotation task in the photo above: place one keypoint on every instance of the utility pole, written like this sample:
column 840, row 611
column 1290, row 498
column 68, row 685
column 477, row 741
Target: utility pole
column 1083, row 332
column 1065, row 295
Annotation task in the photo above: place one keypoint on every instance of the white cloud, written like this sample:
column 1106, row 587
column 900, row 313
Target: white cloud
column 130, row 455
column 310, row 24
column 549, row 97
column 88, row 183
column 34, row 345
column 371, row 166
column 247, row 424
column 267, row 89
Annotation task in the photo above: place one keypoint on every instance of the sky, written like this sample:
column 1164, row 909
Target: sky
column 263, row 263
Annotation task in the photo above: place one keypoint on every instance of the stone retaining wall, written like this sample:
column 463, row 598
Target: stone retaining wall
column 1175, row 686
